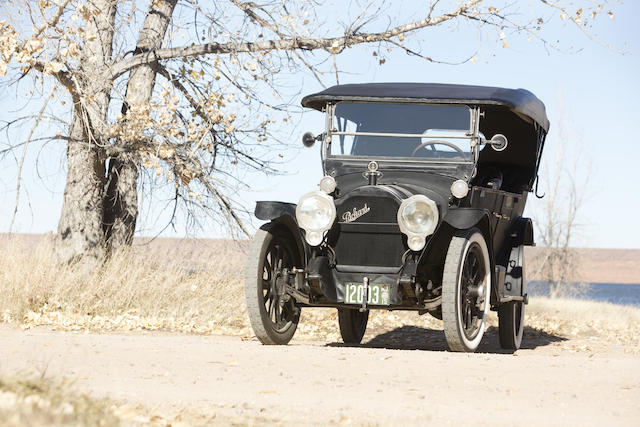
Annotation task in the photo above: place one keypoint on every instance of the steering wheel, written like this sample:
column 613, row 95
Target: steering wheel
column 433, row 142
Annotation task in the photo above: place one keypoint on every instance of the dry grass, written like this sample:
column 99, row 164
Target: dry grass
column 197, row 287
column 586, row 319
column 42, row 402
column 37, row 401
column 139, row 289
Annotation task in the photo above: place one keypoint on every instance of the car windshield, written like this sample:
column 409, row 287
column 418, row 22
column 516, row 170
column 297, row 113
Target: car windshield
column 434, row 132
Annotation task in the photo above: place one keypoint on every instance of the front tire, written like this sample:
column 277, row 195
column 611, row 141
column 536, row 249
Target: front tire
column 466, row 290
column 272, row 313
column 353, row 324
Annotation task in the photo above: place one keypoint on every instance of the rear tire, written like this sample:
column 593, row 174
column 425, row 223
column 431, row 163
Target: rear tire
column 466, row 290
column 437, row 312
column 511, row 314
column 273, row 314
column 511, row 324
column 353, row 324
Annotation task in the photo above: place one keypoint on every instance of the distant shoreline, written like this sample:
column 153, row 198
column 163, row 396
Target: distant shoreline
column 594, row 265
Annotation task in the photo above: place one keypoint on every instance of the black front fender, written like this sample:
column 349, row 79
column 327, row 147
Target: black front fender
column 465, row 218
column 283, row 215
column 268, row 211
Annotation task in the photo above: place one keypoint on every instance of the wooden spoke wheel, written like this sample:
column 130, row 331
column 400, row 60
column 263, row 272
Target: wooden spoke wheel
column 273, row 314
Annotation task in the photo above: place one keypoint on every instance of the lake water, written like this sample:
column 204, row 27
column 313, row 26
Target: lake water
column 609, row 292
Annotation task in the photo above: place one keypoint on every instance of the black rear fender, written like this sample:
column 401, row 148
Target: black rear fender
column 522, row 232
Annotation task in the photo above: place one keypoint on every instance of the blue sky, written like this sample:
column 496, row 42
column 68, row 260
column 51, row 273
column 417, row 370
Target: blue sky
column 592, row 91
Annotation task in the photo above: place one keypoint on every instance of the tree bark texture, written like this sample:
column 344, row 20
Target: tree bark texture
column 121, row 198
column 80, row 225
column 120, row 202
column 80, row 230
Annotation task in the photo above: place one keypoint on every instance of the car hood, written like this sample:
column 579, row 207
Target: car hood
column 360, row 201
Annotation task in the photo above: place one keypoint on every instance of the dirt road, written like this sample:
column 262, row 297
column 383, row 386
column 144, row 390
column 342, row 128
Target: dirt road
column 316, row 383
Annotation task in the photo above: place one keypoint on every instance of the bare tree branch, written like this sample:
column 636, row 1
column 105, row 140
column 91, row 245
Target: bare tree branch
column 21, row 164
column 331, row 44
column 578, row 21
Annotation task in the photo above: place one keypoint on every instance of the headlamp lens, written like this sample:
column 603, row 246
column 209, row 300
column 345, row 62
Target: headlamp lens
column 419, row 217
column 315, row 214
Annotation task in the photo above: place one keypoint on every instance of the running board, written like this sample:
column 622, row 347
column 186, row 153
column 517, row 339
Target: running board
column 505, row 288
column 507, row 298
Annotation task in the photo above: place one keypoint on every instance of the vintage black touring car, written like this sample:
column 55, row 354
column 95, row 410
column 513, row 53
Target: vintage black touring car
column 420, row 209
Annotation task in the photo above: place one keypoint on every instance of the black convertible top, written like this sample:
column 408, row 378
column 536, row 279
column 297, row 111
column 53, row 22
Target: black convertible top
column 519, row 100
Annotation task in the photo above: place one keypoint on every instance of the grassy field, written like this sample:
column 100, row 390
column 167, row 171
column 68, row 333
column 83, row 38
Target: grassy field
column 141, row 289
column 197, row 287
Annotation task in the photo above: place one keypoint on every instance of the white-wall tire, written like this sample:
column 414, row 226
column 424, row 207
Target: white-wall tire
column 464, row 316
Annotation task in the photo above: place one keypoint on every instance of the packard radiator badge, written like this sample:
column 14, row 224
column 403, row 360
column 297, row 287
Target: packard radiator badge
column 355, row 213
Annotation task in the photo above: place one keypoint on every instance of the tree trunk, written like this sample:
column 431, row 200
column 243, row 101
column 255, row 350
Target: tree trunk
column 80, row 225
column 80, row 230
column 121, row 199
column 120, row 203
column 100, row 207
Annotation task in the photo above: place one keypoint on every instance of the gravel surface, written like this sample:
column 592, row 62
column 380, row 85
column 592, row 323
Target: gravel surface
column 397, row 378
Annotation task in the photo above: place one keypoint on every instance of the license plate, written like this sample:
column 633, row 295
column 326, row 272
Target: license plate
column 378, row 294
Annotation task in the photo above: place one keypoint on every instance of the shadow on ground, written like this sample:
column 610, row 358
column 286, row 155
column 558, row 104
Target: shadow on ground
column 417, row 338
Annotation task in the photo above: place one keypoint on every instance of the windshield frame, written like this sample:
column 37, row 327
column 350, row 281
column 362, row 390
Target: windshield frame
column 473, row 135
